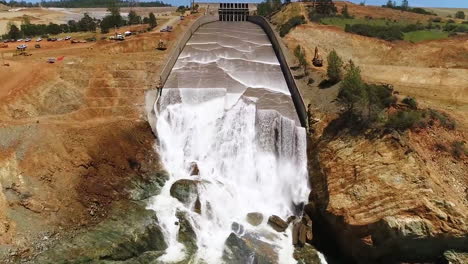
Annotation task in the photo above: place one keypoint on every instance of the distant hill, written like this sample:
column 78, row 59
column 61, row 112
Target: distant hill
column 81, row 3
column 444, row 12
column 3, row 7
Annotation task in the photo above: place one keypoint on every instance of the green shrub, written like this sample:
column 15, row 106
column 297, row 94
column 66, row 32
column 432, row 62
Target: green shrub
column 335, row 63
column 290, row 24
column 458, row 149
column 460, row 15
column 411, row 102
column 389, row 33
column 404, row 120
column 443, row 119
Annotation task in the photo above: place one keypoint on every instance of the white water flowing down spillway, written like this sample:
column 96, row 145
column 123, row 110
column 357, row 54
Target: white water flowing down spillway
column 226, row 107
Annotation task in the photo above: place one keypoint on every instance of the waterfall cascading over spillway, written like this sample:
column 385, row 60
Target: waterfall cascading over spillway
column 226, row 108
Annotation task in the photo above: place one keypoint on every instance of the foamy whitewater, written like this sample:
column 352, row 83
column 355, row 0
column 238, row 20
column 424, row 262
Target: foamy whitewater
column 227, row 108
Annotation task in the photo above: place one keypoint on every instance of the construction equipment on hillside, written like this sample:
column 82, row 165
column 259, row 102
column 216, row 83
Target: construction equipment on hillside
column 21, row 50
column 161, row 45
column 317, row 61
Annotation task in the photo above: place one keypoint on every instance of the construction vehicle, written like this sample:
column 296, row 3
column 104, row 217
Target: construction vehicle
column 317, row 61
column 119, row 37
column 161, row 45
column 21, row 50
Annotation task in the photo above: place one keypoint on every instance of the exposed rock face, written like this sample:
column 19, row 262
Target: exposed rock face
column 184, row 190
column 306, row 255
column 302, row 231
column 247, row 249
column 456, row 257
column 277, row 223
column 382, row 203
column 131, row 232
column 255, row 218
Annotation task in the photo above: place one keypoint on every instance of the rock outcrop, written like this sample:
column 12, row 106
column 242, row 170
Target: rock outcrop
column 381, row 202
column 132, row 232
column 248, row 249
column 186, row 191
column 277, row 223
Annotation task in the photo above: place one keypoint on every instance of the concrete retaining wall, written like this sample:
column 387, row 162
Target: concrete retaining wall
column 151, row 96
column 280, row 50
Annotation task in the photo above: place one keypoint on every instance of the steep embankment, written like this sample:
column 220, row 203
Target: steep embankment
column 386, row 201
column 387, row 196
column 73, row 142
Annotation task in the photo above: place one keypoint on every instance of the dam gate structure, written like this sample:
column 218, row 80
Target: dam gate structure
column 233, row 11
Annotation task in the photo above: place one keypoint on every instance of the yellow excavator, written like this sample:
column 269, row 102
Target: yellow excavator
column 161, row 45
column 317, row 61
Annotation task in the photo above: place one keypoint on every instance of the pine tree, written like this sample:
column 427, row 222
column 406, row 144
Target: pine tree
column 405, row 5
column 334, row 67
column 152, row 20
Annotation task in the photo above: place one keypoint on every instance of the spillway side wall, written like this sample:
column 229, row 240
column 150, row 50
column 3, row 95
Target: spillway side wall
column 177, row 49
column 151, row 96
column 280, row 50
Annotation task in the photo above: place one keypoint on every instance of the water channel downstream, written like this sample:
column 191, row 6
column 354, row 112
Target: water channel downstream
column 226, row 108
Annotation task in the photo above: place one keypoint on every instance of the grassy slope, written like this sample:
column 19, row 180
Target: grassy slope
column 415, row 36
column 443, row 12
column 422, row 35
column 341, row 22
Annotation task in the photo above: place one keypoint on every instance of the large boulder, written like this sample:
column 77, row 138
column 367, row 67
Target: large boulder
column 302, row 231
column 277, row 223
column 306, row 254
column 130, row 232
column 186, row 191
column 247, row 249
column 186, row 235
column 255, row 218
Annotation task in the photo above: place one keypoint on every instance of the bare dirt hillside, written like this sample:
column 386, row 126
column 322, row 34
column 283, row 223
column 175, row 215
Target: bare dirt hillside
column 73, row 136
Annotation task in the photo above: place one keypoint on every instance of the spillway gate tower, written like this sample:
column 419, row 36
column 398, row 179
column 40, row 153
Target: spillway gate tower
column 233, row 11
